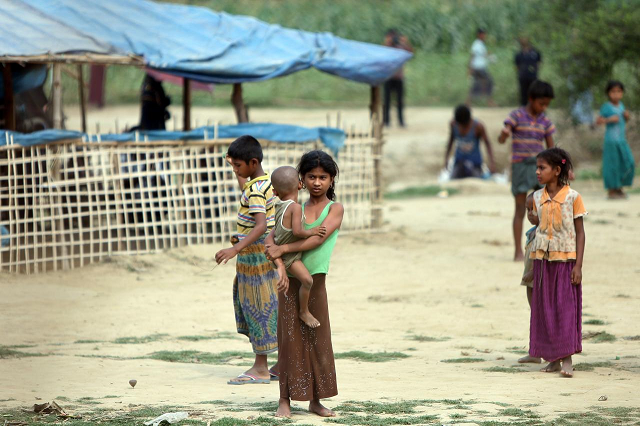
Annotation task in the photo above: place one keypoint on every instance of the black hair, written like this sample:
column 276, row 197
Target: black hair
column 392, row 31
column 245, row 148
column 558, row 157
column 540, row 89
column 481, row 31
column 317, row 158
column 462, row 114
column 613, row 83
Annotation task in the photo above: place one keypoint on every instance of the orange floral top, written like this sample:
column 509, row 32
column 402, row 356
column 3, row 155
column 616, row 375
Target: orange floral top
column 555, row 238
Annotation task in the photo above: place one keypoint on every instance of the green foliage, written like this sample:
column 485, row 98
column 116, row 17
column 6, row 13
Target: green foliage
column 498, row 369
column 418, row 191
column 139, row 340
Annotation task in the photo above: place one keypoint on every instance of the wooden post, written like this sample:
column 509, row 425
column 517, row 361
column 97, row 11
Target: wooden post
column 238, row 104
column 375, row 108
column 83, row 108
column 57, row 97
column 9, row 101
column 186, row 104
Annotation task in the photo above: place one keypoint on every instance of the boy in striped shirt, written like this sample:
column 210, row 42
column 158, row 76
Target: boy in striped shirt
column 255, row 294
column 530, row 130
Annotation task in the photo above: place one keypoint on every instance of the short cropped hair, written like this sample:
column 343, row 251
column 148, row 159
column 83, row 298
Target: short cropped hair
column 285, row 180
column 462, row 114
column 613, row 83
column 540, row 89
column 245, row 148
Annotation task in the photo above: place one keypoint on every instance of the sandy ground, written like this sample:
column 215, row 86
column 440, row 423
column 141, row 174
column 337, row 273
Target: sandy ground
column 442, row 269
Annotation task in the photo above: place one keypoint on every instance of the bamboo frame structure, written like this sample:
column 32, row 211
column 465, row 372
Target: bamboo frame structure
column 71, row 203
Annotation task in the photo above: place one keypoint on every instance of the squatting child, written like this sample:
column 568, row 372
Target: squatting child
column 557, row 253
column 529, row 127
column 618, row 165
column 527, row 275
column 255, row 295
column 466, row 133
column 288, row 229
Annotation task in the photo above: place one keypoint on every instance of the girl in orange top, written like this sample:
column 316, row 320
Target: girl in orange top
column 558, row 249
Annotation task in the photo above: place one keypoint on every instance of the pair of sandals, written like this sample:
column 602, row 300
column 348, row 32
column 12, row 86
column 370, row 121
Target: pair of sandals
column 250, row 379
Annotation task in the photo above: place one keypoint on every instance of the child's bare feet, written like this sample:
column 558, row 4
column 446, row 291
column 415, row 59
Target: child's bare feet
column 551, row 367
column 567, row 367
column 321, row 410
column 284, row 408
column 519, row 256
column 309, row 319
column 530, row 359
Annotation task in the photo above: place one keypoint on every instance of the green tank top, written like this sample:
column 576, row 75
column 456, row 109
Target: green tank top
column 317, row 260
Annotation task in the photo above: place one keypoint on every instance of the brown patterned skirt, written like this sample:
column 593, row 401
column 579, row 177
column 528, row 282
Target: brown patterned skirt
column 305, row 355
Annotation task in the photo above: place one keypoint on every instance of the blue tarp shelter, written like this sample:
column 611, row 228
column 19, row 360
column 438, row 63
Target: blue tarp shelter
column 189, row 41
column 332, row 138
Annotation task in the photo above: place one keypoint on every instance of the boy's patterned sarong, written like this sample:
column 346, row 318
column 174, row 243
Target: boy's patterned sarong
column 255, row 298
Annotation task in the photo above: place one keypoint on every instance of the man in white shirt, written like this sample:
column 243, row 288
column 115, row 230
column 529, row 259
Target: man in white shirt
column 478, row 69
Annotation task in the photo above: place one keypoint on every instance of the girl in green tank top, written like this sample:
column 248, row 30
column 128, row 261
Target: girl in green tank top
column 305, row 360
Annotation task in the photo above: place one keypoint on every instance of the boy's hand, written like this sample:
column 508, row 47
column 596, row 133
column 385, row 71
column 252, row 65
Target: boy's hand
column 320, row 231
column 626, row 115
column 528, row 277
column 505, row 132
column 225, row 255
column 283, row 280
column 492, row 167
column 600, row 121
column 576, row 276
column 613, row 119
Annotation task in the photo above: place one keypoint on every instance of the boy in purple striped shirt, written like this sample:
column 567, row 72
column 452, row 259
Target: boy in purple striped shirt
column 529, row 128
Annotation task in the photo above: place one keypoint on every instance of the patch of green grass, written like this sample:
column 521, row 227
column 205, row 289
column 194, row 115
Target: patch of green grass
column 632, row 338
column 599, row 337
column 371, row 356
column 517, row 412
column 477, row 305
column 62, row 398
column 370, row 407
column 373, row 420
column 219, row 335
column 498, row 369
column 138, row 340
column 589, row 174
column 87, row 400
column 590, row 366
column 418, row 191
column 7, row 352
column 110, row 396
column 593, row 322
column 20, row 346
column 622, row 296
column 422, row 338
column 461, row 360
column 81, row 341
column 197, row 357
column 601, row 222
column 216, row 402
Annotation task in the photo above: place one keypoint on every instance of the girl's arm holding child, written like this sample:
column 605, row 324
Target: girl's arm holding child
column 330, row 223
column 296, row 224
column 576, row 273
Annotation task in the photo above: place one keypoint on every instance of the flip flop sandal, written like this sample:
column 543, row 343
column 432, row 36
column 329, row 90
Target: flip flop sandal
column 273, row 377
column 253, row 380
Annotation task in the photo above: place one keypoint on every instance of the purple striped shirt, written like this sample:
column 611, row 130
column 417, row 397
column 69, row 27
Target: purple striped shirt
column 528, row 133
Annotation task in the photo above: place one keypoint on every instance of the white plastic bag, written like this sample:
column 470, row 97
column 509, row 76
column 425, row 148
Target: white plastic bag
column 168, row 417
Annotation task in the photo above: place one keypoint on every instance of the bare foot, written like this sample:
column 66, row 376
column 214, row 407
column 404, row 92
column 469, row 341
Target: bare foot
column 567, row 367
column 551, row 367
column 530, row 359
column 284, row 408
column 321, row 410
column 519, row 257
column 309, row 319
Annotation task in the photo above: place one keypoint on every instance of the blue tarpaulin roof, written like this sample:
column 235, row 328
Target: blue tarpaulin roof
column 332, row 138
column 190, row 41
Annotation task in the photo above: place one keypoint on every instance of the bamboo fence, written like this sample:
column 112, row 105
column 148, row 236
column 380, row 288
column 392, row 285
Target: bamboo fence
column 67, row 204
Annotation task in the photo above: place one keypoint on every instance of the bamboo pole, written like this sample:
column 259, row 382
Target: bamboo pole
column 186, row 104
column 57, row 97
column 83, row 107
column 238, row 104
column 376, row 206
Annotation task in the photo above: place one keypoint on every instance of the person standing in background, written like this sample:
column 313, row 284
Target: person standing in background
column 395, row 39
column 479, row 69
column 527, row 62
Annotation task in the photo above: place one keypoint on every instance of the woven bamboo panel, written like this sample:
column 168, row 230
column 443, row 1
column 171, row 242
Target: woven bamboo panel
column 65, row 205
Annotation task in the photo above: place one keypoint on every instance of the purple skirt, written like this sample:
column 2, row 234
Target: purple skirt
column 556, row 312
